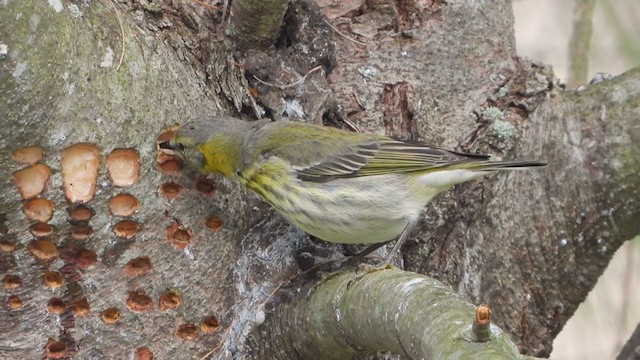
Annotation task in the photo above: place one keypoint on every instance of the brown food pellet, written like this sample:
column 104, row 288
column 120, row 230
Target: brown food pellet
column 209, row 324
column 172, row 166
column 41, row 229
column 167, row 134
column 178, row 236
column 28, row 155
column 169, row 300
column 14, row 302
column 85, row 258
column 123, row 166
column 56, row 305
column 56, row 349
column 81, row 308
column 52, row 279
column 123, row 205
column 170, row 190
column 43, row 249
column 138, row 301
column 6, row 246
column 80, row 164
column 81, row 213
column 39, row 209
column 144, row 353
column 187, row 332
column 205, row 186
column 214, row 223
column 11, row 281
column 31, row 181
column 138, row 266
column 81, row 232
column 110, row 316
column 181, row 238
column 126, row 229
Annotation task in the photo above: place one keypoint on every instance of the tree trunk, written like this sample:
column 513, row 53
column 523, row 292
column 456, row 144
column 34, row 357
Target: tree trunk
column 115, row 73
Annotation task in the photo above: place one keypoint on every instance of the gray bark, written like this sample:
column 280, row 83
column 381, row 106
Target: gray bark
column 256, row 24
column 571, row 219
column 631, row 349
column 444, row 73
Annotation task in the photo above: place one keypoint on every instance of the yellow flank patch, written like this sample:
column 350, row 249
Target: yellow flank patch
column 267, row 179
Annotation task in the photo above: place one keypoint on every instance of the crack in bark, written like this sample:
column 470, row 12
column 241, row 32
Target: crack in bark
column 398, row 116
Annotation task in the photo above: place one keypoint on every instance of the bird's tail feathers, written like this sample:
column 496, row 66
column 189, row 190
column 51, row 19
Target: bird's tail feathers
column 503, row 165
column 452, row 174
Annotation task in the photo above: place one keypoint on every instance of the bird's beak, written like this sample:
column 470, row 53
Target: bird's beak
column 172, row 148
column 167, row 145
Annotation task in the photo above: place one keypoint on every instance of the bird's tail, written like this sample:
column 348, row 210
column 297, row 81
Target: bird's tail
column 503, row 165
column 452, row 174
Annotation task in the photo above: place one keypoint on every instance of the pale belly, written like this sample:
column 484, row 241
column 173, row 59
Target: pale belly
column 353, row 231
column 352, row 211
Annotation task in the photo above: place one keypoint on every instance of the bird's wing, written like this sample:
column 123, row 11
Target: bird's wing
column 396, row 156
column 340, row 154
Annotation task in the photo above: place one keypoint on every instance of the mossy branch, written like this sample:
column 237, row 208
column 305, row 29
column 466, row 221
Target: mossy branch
column 355, row 312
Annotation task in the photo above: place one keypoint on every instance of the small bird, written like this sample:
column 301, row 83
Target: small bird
column 336, row 185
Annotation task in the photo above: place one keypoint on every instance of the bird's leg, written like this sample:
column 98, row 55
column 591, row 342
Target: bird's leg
column 355, row 259
column 401, row 239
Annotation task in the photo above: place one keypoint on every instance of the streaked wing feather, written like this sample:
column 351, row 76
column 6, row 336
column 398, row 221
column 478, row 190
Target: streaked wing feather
column 339, row 166
column 391, row 156
column 340, row 154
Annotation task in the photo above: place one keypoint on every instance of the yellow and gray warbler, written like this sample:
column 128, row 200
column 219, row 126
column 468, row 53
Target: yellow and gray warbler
column 339, row 186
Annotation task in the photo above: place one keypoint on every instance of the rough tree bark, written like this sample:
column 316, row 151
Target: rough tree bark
column 256, row 24
column 530, row 244
column 631, row 349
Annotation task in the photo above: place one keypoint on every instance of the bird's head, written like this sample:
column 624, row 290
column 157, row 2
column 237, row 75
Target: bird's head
column 211, row 144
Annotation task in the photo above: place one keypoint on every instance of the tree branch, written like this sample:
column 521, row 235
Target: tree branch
column 579, row 44
column 530, row 245
column 571, row 217
column 631, row 350
column 355, row 312
column 256, row 23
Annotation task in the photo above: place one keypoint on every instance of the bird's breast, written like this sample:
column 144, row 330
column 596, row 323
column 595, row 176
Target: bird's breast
column 356, row 210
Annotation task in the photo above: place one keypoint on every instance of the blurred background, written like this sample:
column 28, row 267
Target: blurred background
column 580, row 38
